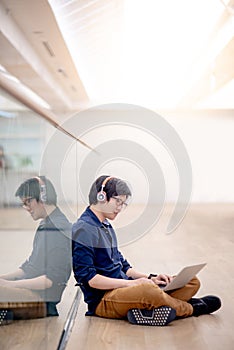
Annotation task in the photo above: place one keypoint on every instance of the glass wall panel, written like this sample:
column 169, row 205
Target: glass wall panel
column 23, row 139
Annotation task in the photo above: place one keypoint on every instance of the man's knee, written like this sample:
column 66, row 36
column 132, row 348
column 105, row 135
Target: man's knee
column 148, row 291
column 195, row 282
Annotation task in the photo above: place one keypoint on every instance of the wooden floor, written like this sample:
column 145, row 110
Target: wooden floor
column 206, row 234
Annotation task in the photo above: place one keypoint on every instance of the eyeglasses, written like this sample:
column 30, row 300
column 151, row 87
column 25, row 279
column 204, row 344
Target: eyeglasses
column 27, row 202
column 120, row 203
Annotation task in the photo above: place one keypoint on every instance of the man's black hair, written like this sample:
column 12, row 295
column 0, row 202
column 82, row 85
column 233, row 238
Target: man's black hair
column 31, row 189
column 113, row 187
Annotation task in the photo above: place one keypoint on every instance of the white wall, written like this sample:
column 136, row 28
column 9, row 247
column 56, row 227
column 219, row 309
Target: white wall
column 210, row 143
column 208, row 139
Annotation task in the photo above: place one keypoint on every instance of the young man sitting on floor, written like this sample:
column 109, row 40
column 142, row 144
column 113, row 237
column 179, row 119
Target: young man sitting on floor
column 112, row 288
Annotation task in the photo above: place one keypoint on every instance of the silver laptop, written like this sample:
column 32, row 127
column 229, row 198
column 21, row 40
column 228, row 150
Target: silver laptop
column 183, row 277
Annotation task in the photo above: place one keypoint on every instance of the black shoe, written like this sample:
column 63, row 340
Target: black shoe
column 6, row 317
column 205, row 305
column 157, row 317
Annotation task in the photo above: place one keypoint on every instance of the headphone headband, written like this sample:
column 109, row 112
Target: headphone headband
column 41, row 182
column 106, row 180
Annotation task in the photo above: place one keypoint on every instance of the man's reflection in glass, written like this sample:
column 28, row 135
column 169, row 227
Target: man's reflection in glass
column 36, row 287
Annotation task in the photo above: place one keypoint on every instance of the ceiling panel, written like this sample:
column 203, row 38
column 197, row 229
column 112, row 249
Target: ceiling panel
column 157, row 54
column 34, row 51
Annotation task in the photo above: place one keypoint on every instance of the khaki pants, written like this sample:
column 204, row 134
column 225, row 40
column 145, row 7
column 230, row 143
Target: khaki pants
column 24, row 303
column 117, row 302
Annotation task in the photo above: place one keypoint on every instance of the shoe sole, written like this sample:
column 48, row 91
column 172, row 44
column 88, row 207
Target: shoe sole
column 160, row 316
column 6, row 317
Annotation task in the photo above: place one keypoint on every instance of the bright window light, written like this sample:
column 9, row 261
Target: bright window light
column 152, row 56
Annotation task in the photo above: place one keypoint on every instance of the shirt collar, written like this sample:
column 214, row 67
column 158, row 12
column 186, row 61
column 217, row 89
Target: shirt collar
column 89, row 214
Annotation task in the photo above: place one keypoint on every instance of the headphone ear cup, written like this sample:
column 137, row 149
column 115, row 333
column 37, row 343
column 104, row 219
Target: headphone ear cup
column 101, row 196
column 43, row 195
column 42, row 188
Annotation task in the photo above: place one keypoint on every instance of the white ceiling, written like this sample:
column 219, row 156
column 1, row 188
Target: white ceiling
column 33, row 50
column 162, row 55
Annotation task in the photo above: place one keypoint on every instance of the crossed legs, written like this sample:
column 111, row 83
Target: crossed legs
column 117, row 302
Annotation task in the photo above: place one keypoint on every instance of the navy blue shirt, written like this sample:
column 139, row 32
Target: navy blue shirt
column 51, row 255
column 95, row 251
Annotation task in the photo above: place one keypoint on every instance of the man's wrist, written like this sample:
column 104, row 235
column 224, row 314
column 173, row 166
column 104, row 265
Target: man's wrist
column 151, row 275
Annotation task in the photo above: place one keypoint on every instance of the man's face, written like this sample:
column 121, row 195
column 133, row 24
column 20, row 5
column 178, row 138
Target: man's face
column 112, row 208
column 36, row 209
